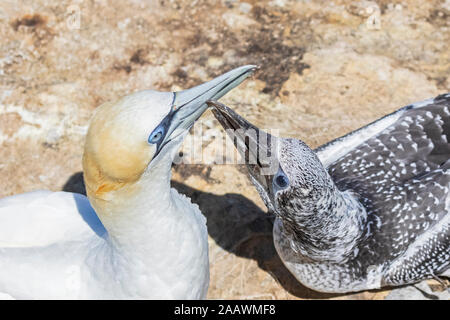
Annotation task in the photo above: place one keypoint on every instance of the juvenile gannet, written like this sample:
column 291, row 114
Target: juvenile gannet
column 147, row 242
column 367, row 210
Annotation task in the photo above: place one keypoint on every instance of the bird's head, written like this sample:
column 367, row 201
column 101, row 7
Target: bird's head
column 136, row 138
column 287, row 174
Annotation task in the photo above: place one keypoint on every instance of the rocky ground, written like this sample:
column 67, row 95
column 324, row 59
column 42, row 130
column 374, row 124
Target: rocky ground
column 327, row 67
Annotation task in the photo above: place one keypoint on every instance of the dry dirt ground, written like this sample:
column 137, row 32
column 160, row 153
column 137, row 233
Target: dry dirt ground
column 327, row 67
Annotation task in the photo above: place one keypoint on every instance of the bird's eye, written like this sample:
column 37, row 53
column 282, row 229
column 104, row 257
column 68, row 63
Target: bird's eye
column 282, row 181
column 156, row 135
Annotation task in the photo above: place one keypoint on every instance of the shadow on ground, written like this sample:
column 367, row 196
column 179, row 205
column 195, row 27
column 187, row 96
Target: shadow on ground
column 237, row 225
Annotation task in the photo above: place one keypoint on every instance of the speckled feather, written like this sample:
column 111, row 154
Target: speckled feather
column 401, row 176
column 366, row 210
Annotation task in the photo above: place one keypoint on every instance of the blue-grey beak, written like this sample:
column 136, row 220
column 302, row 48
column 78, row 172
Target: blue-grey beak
column 189, row 105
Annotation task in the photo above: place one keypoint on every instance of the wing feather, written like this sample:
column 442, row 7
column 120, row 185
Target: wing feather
column 41, row 218
column 399, row 168
column 438, row 108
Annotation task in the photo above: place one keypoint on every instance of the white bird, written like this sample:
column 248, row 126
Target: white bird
column 144, row 240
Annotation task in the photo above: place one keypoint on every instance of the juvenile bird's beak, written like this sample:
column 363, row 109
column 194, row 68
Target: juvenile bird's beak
column 258, row 148
column 189, row 105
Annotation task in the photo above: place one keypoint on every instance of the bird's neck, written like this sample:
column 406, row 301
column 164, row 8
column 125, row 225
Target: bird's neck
column 146, row 218
column 329, row 227
column 134, row 215
column 157, row 244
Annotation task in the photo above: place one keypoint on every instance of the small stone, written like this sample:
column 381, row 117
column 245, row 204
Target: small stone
column 245, row 7
column 53, row 136
column 215, row 62
column 278, row 3
column 123, row 24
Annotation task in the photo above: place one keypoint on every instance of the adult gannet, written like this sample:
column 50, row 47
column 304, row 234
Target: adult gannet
column 367, row 210
column 147, row 242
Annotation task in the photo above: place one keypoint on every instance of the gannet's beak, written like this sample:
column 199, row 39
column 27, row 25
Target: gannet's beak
column 189, row 105
column 258, row 148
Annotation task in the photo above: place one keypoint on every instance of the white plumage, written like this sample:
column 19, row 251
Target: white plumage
column 143, row 240
column 56, row 254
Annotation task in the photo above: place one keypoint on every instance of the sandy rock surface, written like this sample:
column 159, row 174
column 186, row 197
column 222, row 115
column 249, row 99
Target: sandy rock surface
column 327, row 67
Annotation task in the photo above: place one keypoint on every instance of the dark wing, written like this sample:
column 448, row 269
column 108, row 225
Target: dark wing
column 399, row 168
column 422, row 122
column 415, row 144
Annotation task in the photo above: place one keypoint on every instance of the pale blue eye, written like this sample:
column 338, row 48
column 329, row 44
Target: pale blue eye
column 282, row 181
column 156, row 136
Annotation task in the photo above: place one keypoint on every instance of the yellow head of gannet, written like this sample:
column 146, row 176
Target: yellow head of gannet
column 128, row 138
